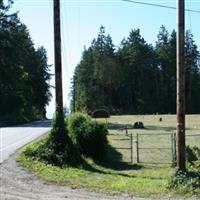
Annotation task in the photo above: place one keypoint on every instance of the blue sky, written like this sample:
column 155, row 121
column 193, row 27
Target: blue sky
column 81, row 20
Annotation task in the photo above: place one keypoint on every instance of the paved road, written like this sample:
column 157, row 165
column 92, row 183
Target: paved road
column 12, row 138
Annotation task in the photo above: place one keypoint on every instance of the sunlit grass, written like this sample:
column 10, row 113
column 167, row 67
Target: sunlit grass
column 155, row 134
column 119, row 177
column 96, row 177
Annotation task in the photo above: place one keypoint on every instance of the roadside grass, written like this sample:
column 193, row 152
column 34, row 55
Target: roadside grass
column 118, row 175
column 110, row 178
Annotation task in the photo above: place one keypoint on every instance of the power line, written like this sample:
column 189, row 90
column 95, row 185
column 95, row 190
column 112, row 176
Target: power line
column 190, row 18
column 159, row 5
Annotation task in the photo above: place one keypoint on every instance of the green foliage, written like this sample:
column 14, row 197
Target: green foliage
column 68, row 140
column 188, row 181
column 89, row 136
column 77, row 124
column 135, row 78
column 57, row 148
column 94, row 177
column 114, row 177
column 193, row 157
column 24, row 72
column 185, row 182
column 96, row 141
column 190, row 154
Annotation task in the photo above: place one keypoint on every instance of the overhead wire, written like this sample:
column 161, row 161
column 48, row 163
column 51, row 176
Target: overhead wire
column 79, row 23
column 52, row 82
column 158, row 5
column 190, row 18
column 66, row 56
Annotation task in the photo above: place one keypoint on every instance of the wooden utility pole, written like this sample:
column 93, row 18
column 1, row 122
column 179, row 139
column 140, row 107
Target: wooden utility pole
column 180, row 85
column 58, row 62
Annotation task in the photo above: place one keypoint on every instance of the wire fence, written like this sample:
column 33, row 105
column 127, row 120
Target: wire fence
column 147, row 148
column 121, row 147
column 155, row 148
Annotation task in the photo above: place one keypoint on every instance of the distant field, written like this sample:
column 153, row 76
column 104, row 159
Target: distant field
column 155, row 140
column 152, row 124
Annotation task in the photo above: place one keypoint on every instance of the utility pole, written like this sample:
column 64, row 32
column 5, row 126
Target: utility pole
column 58, row 62
column 180, row 40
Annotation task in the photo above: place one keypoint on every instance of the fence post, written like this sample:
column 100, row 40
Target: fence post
column 175, row 158
column 172, row 148
column 126, row 130
column 131, row 146
column 137, row 148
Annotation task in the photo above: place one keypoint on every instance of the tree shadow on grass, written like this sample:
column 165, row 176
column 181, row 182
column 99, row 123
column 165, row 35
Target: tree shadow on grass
column 92, row 168
column 115, row 161
column 161, row 128
column 118, row 126
column 112, row 165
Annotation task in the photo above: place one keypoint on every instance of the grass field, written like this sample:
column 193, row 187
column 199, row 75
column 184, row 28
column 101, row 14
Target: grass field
column 152, row 124
column 121, row 177
column 155, row 140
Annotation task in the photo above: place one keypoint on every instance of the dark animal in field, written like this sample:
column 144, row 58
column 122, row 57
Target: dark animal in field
column 138, row 125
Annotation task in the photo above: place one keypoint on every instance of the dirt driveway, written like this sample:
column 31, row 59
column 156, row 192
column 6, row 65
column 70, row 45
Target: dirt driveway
column 18, row 184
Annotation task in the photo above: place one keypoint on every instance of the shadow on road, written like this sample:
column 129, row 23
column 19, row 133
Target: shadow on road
column 37, row 124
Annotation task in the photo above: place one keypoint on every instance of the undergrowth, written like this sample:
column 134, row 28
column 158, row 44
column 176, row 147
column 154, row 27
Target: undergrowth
column 57, row 148
column 187, row 182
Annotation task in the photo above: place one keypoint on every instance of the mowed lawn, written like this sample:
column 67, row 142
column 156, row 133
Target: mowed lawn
column 117, row 175
column 154, row 141
column 153, row 125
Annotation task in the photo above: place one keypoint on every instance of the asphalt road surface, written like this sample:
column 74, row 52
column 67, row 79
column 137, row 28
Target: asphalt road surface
column 12, row 138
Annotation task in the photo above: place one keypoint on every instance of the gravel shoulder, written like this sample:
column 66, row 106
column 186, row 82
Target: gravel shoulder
column 18, row 184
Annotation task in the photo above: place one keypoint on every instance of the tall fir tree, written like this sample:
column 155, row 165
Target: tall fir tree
column 136, row 78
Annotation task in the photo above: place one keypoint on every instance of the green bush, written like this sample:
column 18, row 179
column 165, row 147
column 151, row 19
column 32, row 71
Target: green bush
column 193, row 157
column 88, row 135
column 190, row 154
column 188, row 181
column 95, row 141
column 185, row 182
column 197, row 152
column 77, row 125
column 57, row 148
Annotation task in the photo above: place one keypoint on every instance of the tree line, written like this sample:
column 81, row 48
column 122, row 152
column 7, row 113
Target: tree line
column 24, row 72
column 135, row 77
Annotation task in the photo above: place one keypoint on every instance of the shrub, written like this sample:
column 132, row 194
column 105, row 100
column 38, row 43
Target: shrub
column 101, row 113
column 197, row 152
column 185, row 182
column 193, row 157
column 188, row 181
column 77, row 125
column 190, row 154
column 88, row 135
column 57, row 148
column 96, row 141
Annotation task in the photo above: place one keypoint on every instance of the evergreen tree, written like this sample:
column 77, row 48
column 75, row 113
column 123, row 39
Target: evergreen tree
column 192, row 73
column 138, row 63
column 24, row 72
column 166, row 58
column 136, row 78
